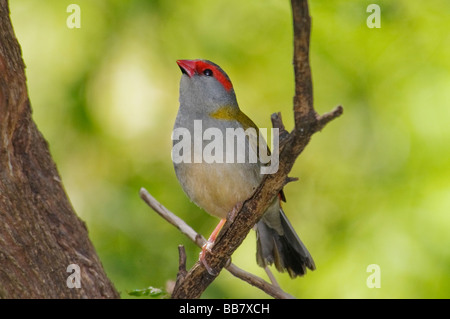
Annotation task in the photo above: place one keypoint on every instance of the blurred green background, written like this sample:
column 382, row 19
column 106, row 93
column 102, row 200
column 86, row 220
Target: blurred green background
column 374, row 185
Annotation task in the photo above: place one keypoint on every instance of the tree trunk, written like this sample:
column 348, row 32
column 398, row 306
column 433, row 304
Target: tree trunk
column 40, row 234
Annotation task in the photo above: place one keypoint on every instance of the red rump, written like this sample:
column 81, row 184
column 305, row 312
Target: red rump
column 199, row 66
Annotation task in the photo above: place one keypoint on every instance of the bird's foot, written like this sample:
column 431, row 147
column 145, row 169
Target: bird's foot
column 207, row 248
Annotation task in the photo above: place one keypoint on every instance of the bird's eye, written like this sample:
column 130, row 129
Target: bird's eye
column 208, row 72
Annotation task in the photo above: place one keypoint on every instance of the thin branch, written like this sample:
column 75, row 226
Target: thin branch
column 181, row 264
column 173, row 219
column 303, row 99
column 277, row 122
column 199, row 240
column 271, row 276
column 328, row 117
column 290, row 180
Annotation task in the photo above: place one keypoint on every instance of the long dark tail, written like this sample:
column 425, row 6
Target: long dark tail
column 282, row 247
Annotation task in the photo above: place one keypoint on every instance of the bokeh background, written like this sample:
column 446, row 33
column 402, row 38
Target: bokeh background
column 374, row 184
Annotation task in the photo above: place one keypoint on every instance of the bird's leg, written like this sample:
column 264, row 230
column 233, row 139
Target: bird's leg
column 208, row 245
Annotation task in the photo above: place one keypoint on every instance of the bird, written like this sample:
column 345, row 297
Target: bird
column 207, row 97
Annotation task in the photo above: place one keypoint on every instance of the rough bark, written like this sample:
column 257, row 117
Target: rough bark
column 40, row 234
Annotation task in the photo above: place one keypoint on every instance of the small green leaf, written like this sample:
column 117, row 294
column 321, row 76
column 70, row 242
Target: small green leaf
column 148, row 292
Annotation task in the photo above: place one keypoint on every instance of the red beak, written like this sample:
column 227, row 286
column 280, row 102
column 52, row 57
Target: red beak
column 187, row 67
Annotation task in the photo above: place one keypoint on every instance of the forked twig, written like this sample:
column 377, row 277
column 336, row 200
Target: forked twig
column 199, row 240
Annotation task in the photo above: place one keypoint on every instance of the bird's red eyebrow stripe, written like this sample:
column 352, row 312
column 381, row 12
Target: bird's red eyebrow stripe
column 218, row 74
